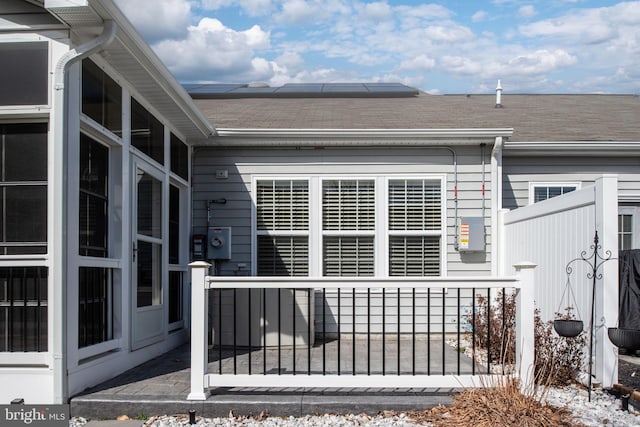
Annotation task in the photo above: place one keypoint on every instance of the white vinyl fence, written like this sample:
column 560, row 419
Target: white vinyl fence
column 557, row 233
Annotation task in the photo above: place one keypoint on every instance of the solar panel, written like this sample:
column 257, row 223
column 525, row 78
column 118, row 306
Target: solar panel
column 300, row 90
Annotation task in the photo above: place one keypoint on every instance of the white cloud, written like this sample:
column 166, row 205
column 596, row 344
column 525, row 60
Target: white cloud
column 377, row 11
column 596, row 25
column 300, row 12
column 479, row 16
column 527, row 11
column 251, row 7
column 419, row 63
column 213, row 52
column 158, row 20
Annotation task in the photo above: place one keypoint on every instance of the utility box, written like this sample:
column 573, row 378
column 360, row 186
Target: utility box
column 219, row 243
column 471, row 236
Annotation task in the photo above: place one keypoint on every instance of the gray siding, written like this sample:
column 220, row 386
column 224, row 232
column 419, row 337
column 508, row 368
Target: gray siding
column 518, row 172
column 243, row 164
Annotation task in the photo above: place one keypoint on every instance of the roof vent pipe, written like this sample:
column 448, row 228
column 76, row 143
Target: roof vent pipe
column 499, row 95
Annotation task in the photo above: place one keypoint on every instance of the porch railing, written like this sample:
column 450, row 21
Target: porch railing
column 348, row 332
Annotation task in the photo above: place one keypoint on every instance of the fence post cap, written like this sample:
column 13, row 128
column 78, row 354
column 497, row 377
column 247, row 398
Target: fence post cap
column 199, row 264
column 524, row 265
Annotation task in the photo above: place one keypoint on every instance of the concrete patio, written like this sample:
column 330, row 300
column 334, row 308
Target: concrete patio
column 161, row 385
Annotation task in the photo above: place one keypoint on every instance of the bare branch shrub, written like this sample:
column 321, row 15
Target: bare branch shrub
column 558, row 360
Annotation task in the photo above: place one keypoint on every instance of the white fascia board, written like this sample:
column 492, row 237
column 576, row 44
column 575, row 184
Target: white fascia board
column 571, row 148
column 328, row 137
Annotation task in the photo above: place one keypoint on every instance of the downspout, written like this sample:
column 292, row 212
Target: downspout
column 496, row 206
column 58, row 161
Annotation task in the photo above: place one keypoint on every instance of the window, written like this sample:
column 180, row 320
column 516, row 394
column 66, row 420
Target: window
column 101, row 97
column 348, row 227
column 179, row 158
column 628, row 218
column 175, row 296
column 540, row 192
column 94, row 201
column 415, row 227
column 23, row 189
column 23, row 309
column 147, row 133
column 174, row 224
column 351, row 227
column 24, row 75
column 282, row 225
column 95, row 310
column 625, row 231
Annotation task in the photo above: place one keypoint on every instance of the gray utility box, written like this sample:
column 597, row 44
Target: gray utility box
column 219, row 243
column 471, row 235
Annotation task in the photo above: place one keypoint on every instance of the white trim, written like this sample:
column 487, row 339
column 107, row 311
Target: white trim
column 537, row 184
column 12, row 359
column 360, row 133
column 98, row 349
column 571, row 148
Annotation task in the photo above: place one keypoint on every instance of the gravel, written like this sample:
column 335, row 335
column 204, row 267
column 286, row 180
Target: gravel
column 603, row 410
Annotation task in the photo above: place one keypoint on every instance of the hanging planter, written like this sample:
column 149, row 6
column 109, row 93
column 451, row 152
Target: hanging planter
column 568, row 328
column 625, row 338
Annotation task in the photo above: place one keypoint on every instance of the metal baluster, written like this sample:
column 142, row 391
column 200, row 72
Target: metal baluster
column 353, row 331
column 473, row 330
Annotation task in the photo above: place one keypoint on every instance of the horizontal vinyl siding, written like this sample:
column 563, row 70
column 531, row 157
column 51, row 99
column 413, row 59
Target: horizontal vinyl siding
column 243, row 164
column 518, row 172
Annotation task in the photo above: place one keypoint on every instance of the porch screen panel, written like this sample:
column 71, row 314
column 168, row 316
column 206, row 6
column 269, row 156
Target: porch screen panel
column 147, row 133
column 415, row 227
column 348, row 226
column 94, row 202
column 23, row 309
column 282, row 224
column 101, row 97
column 95, row 309
column 23, row 188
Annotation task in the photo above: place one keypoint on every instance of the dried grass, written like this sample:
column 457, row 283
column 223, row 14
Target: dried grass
column 500, row 405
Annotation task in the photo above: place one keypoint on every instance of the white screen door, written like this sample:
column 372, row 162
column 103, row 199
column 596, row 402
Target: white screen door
column 147, row 298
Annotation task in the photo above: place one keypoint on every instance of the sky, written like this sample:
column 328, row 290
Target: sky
column 447, row 47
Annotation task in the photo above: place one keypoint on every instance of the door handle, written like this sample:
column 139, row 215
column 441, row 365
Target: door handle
column 134, row 252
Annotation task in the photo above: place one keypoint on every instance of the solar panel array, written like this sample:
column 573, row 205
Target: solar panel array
column 299, row 90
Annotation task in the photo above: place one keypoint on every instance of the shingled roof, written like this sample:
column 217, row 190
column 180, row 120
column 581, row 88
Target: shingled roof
column 532, row 117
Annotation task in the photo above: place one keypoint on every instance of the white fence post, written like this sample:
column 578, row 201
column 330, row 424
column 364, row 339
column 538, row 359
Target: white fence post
column 525, row 325
column 199, row 308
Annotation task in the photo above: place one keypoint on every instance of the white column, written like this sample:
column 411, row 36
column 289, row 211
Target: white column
column 525, row 324
column 606, row 308
column 199, row 309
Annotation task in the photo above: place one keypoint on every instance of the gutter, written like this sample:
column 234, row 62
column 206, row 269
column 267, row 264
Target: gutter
column 359, row 133
column 496, row 206
column 571, row 148
column 58, row 154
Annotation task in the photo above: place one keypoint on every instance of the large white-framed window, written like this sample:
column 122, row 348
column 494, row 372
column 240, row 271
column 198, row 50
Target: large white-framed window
column 540, row 191
column 415, row 226
column 282, row 226
column 348, row 226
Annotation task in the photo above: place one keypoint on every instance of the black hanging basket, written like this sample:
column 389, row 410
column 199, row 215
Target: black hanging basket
column 625, row 338
column 568, row 328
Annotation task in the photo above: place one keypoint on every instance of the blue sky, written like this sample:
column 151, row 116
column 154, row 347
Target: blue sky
column 546, row 46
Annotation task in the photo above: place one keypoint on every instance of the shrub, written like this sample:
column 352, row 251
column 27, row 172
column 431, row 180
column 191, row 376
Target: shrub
column 558, row 360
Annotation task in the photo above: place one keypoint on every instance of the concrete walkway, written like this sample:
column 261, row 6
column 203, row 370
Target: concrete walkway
column 160, row 387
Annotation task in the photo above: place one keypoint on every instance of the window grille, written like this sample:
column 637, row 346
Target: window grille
column 23, row 309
